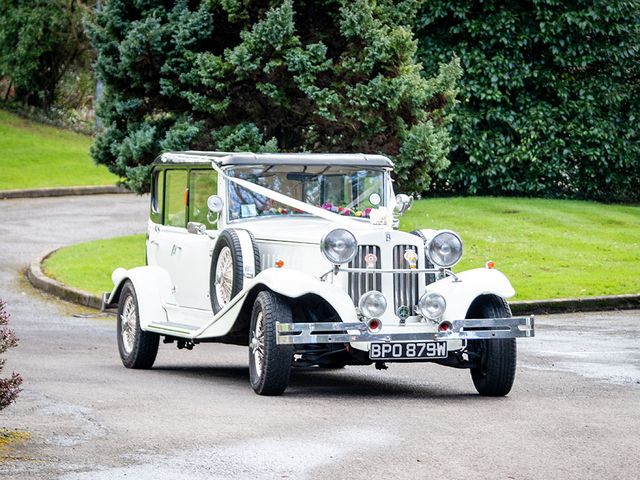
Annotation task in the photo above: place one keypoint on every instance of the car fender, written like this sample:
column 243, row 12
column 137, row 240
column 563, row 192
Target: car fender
column 153, row 289
column 294, row 284
column 462, row 290
column 286, row 282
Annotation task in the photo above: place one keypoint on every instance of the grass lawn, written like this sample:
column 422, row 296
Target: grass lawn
column 88, row 265
column 547, row 248
column 33, row 155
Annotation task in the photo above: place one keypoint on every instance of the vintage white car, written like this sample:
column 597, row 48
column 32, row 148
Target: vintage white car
column 298, row 257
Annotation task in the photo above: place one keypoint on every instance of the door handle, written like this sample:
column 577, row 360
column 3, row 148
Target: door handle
column 175, row 249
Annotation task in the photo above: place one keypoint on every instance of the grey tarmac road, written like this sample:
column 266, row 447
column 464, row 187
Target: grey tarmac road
column 574, row 411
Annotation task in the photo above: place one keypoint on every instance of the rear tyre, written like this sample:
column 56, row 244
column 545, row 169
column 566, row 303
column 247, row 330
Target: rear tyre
column 497, row 358
column 269, row 363
column 138, row 349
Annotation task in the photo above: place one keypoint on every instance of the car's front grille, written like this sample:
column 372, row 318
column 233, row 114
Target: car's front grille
column 360, row 283
column 405, row 285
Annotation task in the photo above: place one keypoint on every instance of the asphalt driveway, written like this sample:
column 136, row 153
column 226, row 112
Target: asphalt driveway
column 573, row 413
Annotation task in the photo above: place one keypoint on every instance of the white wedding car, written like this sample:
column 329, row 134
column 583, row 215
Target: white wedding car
column 299, row 257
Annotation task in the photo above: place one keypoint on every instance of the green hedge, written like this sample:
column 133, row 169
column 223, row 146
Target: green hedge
column 550, row 102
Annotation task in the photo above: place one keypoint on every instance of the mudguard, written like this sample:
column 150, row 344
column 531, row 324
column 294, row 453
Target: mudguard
column 294, row 284
column 288, row 283
column 153, row 288
column 469, row 285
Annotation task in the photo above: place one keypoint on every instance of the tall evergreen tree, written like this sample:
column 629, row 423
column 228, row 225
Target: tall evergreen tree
column 331, row 75
column 550, row 99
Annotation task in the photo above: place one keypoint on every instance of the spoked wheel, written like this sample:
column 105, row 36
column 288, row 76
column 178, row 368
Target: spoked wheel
column 269, row 363
column 226, row 276
column 138, row 349
column 496, row 369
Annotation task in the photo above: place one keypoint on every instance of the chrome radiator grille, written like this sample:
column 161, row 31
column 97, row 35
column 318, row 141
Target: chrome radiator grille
column 360, row 283
column 405, row 285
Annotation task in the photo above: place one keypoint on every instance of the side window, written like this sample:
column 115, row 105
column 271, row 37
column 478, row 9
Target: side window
column 157, row 196
column 175, row 202
column 202, row 184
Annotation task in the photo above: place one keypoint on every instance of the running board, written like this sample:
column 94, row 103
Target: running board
column 174, row 329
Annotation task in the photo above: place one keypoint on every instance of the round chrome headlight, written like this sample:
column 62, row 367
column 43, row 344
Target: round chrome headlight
column 339, row 246
column 444, row 249
column 432, row 305
column 372, row 304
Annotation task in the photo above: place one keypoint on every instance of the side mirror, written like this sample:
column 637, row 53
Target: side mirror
column 197, row 228
column 215, row 204
column 403, row 203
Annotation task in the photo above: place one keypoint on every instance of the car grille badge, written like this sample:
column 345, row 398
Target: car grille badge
column 412, row 258
column 370, row 260
column 403, row 313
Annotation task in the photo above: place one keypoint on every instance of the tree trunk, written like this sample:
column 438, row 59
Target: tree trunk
column 6, row 95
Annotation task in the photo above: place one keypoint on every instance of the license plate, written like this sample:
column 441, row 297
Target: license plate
column 407, row 351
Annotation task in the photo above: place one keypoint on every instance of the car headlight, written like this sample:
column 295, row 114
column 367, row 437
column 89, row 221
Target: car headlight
column 444, row 249
column 432, row 305
column 339, row 246
column 372, row 304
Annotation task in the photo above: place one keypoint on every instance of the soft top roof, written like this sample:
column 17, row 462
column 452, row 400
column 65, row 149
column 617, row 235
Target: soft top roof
column 247, row 158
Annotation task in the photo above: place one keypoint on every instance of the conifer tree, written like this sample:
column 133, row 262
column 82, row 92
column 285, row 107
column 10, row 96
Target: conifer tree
column 232, row 75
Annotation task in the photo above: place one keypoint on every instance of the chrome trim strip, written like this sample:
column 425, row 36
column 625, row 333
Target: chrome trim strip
column 467, row 329
column 338, row 269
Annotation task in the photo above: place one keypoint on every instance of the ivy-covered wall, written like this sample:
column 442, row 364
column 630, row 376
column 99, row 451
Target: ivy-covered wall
column 550, row 97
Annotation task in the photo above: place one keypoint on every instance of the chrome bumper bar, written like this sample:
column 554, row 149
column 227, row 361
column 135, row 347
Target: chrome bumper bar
column 468, row 329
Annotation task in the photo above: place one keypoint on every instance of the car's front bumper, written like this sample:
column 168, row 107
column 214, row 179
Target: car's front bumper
column 468, row 329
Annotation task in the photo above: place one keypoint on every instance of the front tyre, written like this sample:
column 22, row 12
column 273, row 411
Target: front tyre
column 269, row 363
column 138, row 349
column 496, row 368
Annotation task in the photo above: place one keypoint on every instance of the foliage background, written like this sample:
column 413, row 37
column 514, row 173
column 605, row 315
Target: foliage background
column 266, row 76
column 550, row 102
column 45, row 56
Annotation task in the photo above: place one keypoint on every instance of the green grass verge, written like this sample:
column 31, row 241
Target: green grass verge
column 547, row 248
column 88, row 265
column 33, row 155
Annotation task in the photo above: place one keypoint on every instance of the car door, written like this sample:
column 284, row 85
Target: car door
column 165, row 239
column 192, row 251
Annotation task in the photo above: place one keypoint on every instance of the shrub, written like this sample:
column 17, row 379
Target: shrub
column 9, row 387
column 43, row 47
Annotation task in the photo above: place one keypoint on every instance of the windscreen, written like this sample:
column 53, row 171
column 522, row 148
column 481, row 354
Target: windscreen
column 348, row 191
